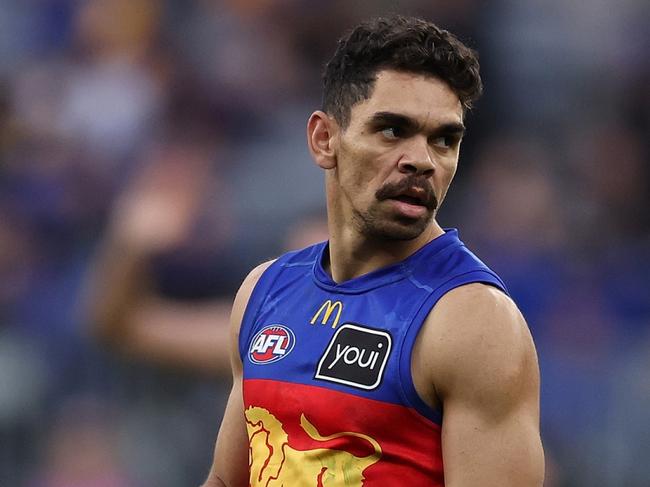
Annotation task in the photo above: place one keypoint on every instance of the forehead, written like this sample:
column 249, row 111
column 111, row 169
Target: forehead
column 426, row 99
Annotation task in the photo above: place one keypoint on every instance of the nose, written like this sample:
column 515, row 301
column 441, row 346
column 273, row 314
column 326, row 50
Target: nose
column 417, row 158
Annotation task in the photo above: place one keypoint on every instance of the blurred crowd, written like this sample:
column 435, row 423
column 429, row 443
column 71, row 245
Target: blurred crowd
column 181, row 124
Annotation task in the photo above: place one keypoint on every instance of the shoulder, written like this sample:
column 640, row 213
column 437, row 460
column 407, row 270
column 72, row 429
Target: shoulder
column 246, row 289
column 292, row 260
column 477, row 306
column 237, row 314
column 480, row 347
column 446, row 263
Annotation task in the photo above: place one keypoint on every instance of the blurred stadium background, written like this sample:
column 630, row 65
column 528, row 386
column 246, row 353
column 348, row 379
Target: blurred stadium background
column 552, row 192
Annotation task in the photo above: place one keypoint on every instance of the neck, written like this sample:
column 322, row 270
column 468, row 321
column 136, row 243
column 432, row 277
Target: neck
column 352, row 255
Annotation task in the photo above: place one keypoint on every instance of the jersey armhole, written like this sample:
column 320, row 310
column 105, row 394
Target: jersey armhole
column 255, row 303
column 410, row 394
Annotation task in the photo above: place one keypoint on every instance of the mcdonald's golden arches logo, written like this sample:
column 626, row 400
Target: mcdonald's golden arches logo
column 327, row 309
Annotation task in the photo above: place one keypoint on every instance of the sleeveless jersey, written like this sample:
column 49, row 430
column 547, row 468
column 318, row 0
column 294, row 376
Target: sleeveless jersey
column 328, row 395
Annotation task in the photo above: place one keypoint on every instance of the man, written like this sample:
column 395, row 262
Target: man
column 389, row 351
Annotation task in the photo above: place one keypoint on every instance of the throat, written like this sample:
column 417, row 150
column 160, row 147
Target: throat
column 344, row 263
column 352, row 253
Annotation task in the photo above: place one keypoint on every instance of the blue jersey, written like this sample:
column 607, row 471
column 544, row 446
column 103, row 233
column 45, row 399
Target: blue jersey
column 327, row 387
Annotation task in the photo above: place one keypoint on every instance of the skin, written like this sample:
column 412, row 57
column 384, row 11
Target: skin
column 128, row 316
column 155, row 214
column 474, row 355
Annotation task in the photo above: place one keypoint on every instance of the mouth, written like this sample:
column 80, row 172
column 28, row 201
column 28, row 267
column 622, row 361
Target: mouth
column 409, row 206
column 411, row 200
column 413, row 197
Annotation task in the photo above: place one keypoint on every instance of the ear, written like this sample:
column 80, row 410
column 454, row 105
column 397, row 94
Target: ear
column 322, row 132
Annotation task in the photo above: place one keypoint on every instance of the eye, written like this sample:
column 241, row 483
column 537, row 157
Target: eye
column 445, row 141
column 392, row 132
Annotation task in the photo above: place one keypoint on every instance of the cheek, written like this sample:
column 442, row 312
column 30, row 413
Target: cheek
column 363, row 169
column 449, row 166
column 450, row 174
column 445, row 175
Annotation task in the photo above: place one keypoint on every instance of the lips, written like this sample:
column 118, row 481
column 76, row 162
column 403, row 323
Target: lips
column 411, row 190
column 409, row 199
column 414, row 196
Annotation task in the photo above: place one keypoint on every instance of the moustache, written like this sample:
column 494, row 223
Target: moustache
column 392, row 190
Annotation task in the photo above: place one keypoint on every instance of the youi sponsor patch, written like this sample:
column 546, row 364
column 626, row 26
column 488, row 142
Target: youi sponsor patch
column 355, row 356
column 270, row 344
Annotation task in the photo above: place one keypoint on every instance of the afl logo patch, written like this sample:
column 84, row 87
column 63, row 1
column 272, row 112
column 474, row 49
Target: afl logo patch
column 271, row 344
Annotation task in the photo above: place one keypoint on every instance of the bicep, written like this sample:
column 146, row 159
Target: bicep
column 479, row 449
column 230, row 465
column 231, row 451
column 487, row 377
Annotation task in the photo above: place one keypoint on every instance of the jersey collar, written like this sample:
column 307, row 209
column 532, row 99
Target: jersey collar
column 385, row 275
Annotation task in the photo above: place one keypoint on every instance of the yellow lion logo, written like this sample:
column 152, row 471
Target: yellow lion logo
column 274, row 463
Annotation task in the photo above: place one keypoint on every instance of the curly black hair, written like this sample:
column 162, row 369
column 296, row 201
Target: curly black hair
column 403, row 44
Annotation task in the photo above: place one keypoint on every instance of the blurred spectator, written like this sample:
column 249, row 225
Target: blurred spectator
column 174, row 206
column 512, row 211
column 609, row 161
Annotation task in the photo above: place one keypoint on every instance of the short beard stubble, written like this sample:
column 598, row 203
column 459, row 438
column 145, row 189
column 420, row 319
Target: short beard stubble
column 376, row 224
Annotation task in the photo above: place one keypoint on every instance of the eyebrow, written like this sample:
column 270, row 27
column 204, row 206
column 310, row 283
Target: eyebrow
column 409, row 123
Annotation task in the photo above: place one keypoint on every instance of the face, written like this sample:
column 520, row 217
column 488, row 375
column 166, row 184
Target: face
column 396, row 159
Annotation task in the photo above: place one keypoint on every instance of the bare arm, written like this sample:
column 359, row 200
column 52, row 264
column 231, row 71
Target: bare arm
column 230, row 467
column 125, row 314
column 483, row 367
column 155, row 214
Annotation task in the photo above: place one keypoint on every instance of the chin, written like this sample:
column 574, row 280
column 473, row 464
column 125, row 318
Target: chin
column 391, row 227
column 397, row 230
